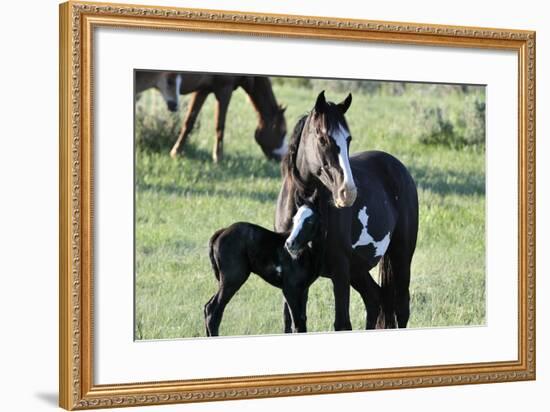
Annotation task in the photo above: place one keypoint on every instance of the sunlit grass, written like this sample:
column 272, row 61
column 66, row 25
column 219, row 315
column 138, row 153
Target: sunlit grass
column 180, row 203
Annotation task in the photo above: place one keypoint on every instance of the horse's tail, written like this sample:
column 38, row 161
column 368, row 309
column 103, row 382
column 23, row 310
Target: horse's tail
column 386, row 317
column 213, row 260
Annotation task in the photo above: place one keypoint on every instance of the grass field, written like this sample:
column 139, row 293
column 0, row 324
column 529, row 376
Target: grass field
column 179, row 204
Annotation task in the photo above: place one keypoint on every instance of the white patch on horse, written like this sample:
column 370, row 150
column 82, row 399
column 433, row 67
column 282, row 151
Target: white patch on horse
column 340, row 136
column 366, row 239
column 278, row 269
column 298, row 221
column 281, row 151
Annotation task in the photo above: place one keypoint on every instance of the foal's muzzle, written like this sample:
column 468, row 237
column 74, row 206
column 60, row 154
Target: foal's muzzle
column 292, row 248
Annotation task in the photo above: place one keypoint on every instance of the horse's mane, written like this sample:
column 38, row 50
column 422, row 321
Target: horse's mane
column 289, row 170
column 302, row 194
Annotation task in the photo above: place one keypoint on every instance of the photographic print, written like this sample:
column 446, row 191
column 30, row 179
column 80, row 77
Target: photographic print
column 270, row 205
column 380, row 199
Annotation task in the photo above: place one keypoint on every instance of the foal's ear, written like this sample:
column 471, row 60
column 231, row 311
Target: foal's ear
column 344, row 106
column 321, row 103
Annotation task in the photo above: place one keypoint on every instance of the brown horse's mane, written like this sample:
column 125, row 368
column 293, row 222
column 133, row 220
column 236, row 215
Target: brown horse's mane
column 260, row 92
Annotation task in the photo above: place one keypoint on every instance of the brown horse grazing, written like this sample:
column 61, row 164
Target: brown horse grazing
column 271, row 130
column 167, row 83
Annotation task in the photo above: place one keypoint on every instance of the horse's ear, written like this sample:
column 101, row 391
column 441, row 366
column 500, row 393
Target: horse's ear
column 344, row 106
column 321, row 103
column 282, row 109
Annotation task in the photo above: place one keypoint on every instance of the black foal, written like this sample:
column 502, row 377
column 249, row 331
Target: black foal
column 243, row 248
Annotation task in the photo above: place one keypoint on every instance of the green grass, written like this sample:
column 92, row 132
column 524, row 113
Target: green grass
column 180, row 203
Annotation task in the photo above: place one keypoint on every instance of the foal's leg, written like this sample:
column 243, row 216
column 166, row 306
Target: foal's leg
column 223, row 96
column 296, row 301
column 197, row 100
column 287, row 318
column 229, row 284
column 369, row 290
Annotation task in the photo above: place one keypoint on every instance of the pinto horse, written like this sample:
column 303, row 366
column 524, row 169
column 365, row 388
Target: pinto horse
column 284, row 260
column 167, row 83
column 270, row 133
column 368, row 205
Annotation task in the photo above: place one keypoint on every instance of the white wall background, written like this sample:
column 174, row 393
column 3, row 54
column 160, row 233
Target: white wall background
column 29, row 190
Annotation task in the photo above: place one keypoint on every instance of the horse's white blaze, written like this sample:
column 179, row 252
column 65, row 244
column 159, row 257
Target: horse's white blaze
column 298, row 221
column 281, row 151
column 340, row 136
column 366, row 239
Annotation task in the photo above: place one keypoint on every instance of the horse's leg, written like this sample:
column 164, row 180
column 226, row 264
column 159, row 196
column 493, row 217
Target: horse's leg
column 395, row 281
column 208, row 309
column 229, row 284
column 296, row 299
column 340, row 275
column 287, row 317
column 223, row 96
column 197, row 100
column 402, row 268
column 369, row 290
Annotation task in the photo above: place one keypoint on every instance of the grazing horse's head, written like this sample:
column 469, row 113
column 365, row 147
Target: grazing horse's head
column 271, row 134
column 325, row 144
column 168, row 84
column 305, row 225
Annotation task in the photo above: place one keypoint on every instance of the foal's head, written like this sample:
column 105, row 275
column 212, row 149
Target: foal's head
column 325, row 152
column 305, row 226
column 168, row 84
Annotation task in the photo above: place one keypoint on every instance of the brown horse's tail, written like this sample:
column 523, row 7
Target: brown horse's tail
column 211, row 254
column 386, row 317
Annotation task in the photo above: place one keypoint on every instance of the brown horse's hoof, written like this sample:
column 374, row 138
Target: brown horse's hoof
column 174, row 153
column 217, row 155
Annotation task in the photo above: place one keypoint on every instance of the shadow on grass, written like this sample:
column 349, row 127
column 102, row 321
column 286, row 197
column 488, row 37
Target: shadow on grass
column 194, row 173
column 220, row 178
column 449, row 182
column 174, row 189
column 198, row 168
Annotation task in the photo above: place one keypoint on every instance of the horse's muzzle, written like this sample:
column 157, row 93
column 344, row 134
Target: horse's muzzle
column 345, row 197
column 292, row 249
column 172, row 105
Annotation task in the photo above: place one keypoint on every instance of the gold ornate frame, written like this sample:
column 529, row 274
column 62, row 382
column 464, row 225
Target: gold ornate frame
column 77, row 22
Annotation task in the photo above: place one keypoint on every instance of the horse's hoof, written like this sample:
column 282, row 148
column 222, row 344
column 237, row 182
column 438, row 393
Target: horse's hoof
column 174, row 154
column 217, row 157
